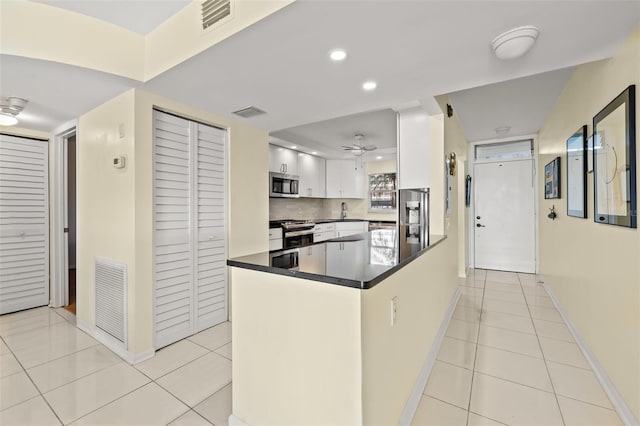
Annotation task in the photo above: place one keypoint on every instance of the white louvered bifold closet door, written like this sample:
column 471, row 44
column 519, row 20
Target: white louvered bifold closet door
column 189, row 227
column 211, row 266
column 172, row 233
column 24, row 224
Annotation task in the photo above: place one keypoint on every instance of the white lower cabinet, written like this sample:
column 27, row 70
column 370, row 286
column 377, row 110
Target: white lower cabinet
column 344, row 229
column 324, row 232
column 343, row 260
column 312, row 259
column 275, row 239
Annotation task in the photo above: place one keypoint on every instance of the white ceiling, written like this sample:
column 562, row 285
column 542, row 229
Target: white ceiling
column 522, row 104
column 414, row 49
column 140, row 16
column 57, row 93
column 328, row 137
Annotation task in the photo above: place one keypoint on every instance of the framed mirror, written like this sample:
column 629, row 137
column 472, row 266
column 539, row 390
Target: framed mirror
column 614, row 162
column 577, row 174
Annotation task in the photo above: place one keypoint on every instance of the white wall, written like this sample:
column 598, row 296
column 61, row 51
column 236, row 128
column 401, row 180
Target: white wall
column 593, row 268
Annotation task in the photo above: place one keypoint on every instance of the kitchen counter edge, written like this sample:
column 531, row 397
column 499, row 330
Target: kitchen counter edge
column 363, row 285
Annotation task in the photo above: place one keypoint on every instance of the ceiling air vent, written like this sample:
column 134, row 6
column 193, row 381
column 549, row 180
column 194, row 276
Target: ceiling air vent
column 214, row 11
column 249, row 112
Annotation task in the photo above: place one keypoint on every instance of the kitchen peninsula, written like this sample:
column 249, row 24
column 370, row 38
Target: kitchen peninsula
column 341, row 339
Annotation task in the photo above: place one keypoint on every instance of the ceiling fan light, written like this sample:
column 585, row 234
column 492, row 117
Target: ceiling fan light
column 515, row 42
column 7, row 120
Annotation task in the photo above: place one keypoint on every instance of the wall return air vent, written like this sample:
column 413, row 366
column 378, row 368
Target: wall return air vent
column 249, row 112
column 214, row 11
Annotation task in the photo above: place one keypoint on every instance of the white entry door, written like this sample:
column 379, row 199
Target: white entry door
column 24, row 224
column 504, row 216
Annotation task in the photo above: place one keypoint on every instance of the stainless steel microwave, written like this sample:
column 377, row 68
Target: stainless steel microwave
column 283, row 185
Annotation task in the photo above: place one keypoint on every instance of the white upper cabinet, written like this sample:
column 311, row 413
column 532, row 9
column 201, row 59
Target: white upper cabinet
column 312, row 175
column 344, row 180
column 283, row 160
column 421, row 150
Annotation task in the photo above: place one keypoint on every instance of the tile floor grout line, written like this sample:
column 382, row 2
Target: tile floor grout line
column 443, row 401
column 492, row 419
column 175, row 369
column 511, row 381
column 108, row 403
column 196, row 413
column 40, row 394
column 210, row 350
column 475, row 354
column 590, row 403
column 63, row 356
column 81, row 377
column 546, row 366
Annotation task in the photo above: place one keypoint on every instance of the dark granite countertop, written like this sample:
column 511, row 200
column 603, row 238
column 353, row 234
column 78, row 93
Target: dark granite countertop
column 358, row 261
column 338, row 220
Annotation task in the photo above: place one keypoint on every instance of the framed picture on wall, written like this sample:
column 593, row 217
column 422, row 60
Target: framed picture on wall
column 614, row 162
column 552, row 179
column 577, row 173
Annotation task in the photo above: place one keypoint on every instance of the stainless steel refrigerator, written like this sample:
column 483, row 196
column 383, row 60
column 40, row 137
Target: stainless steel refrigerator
column 413, row 216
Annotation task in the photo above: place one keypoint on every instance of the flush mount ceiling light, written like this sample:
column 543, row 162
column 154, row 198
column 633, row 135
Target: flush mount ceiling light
column 10, row 107
column 338, row 55
column 369, row 85
column 515, row 42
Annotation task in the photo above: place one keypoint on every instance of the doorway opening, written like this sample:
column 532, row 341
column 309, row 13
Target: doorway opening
column 70, row 229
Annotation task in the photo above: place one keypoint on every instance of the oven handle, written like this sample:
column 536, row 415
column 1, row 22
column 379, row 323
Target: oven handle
column 298, row 233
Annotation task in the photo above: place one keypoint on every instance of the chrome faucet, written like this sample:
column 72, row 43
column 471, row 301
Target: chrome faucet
column 343, row 211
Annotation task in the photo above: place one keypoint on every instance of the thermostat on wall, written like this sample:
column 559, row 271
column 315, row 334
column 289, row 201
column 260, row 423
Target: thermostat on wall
column 120, row 162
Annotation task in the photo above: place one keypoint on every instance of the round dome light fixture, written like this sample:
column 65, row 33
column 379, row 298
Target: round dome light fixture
column 7, row 119
column 515, row 42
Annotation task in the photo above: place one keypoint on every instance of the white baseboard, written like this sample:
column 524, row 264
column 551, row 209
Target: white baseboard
column 235, row 421
column 416, row 394
column 623, row 410
column 114, row 345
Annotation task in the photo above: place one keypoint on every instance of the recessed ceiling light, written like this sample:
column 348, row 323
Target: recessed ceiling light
column 293, row 147
column 379, row 157
column 338, row 55
column 314, row 153
column 369, row 85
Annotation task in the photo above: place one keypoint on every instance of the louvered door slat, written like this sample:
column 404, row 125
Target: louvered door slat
column 211, row 268
column 172, row 237
column 24, row 224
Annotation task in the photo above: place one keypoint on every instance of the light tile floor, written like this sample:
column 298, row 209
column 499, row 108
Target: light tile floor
column 52, row 373
column 508, row 358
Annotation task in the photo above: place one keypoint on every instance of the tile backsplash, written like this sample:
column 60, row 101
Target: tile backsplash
column 319, row 208
column 296, row 208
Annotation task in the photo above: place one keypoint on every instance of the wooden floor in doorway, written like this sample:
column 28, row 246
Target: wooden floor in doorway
column 72, row 292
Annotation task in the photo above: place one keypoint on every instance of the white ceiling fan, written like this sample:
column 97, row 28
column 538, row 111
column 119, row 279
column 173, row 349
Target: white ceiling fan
column 358, row 148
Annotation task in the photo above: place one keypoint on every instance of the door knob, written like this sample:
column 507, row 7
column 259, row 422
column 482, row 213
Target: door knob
column 480, row 226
